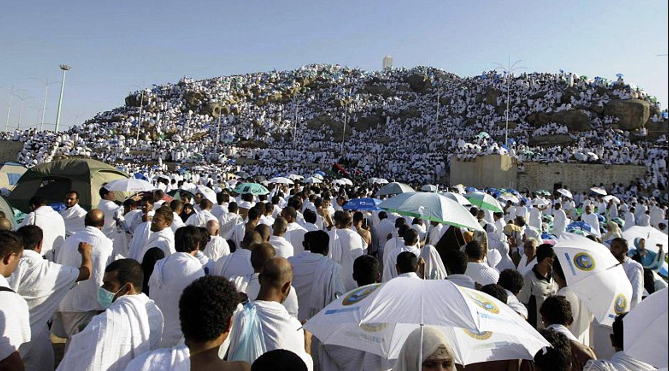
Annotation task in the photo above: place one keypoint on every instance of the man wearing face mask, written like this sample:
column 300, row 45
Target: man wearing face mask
column 131, row 325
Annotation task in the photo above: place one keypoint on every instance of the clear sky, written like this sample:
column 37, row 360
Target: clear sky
column 115, row 47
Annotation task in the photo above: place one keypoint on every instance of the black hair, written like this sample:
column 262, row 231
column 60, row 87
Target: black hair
column 186, row 239
column 496, row 291
column 10, row 243
column 511, row 280
column 558, row 356
column 617, row 339
column 279, row 360
column 318, row 242
column 310, row 216
column 410, row 237
column 127, row 271
column 103, row 192
column 407, row 262
column 544, row 251
column 475, row 250
column 232, row 207
column 205, row 237
column 366, row 270
column 206, row 307
column 253, row 214
column 556, row 310
column 455, row 262
column 32, row 235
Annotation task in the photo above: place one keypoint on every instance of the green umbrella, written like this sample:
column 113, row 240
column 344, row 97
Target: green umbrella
column 484, row 201
column 433, row 207
column 252, row 188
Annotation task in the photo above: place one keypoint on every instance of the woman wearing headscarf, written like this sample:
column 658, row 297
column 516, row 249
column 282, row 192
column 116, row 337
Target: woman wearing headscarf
column 613, row 231
column 437, row 354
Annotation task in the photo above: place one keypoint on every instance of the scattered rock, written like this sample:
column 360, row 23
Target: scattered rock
column 576, row 120
column 549, row 140
column 418, row 83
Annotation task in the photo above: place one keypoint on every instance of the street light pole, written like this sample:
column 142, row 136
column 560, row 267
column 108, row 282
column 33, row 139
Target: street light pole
column 46, row 93
column 12, row 92
column 22, row 99
column 139, row 119
column 436, row 121
column 218, row 130
column 343, row 135
column 295, row 120
column 64, row 68
column 509, row 69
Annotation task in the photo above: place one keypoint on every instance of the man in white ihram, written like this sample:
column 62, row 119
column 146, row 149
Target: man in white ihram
column 345, row 247
column 73, row 214
column 131, row 324
column 52, row 225
column 80, row 304
column 592, row 220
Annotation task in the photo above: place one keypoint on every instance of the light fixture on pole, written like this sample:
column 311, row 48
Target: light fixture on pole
column 343, row 135
column 218, row 129
column 508, row 69
column 46, row 93
column 139, row 119
column 295, row 105
column 22, row 99
column 64, row 68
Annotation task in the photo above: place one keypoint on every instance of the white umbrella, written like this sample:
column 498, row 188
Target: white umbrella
column 295, row 177
column 129, row 185
column 595, row 276
column 608, row 198
column 432, row 207
column 378, row 181
column 458, row 197
column 509, row 197
column 343, row 181
column 311, row 180
column 318, row 176
column 484, row 201
column 281, row 180
column 207, row 192
column 429, row 188
column 599, row 190
column 565, row 192
column 539, row 202
column 340, row 322
column 645, row 330
column 652, row 236
column 394, row 188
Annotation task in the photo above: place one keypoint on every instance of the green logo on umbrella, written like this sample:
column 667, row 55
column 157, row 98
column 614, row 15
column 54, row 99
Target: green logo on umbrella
column 485, row 335
column 584, row 261
column 358, row 295
column 620, row 305
column 483, row 302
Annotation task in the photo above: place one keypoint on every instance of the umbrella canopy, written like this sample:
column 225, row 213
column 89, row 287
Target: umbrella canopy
column 378, row 181
column 539, row 202
column 312, row 180
column 467, row 312
column 652, row 236
column 394, row 188
column 207, row 192
column 645, row 330
column 362, row 204
column 295, row 177
column 281, row 180
column 598, row 190
column 432, row 207
column 343, row 181
column 595, row 276
column 252, row 188
column 318, row 176
column 565, row 192
column 509, row 197
column 129, row 185
column 458, row 198
column 429, row 188
column 580, row 226
column 484, row 201
column 608, row 198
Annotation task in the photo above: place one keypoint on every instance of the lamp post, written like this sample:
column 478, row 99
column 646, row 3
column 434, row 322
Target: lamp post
column 46, row 93
column 218, row 130
column 436, row 121
column 22, row 99
column 139, row 119
column 343, row 135
column 295, row 105
column 12, row 91
column 64, row 68
column 508, row 69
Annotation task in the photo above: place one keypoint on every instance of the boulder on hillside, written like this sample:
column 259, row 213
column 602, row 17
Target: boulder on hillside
column 538, row 119
column 377, row 90
column 550, row 140
column 491, row 96
column 193, row 99
column 633, row 113
column 657, row 129
column 575, row 120
column 502, row 125
column 569, row 93
column 133, row 100
column 367, row 122
column 418, row 83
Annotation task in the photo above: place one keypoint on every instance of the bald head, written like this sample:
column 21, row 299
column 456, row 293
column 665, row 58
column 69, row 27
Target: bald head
column 212, row 227
column 276, row 274
column 260, row 255
column 5, row 224
column 265, row 231
column 95, row 218
column 280, row 226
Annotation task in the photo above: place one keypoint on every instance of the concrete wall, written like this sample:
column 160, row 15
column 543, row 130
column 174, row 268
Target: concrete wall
column 9, row 150
column 577, row 177
column 497, row 171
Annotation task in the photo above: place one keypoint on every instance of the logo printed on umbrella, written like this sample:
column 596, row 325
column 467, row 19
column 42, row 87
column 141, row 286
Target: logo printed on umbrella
column 584, row 261
column 484, row 303
column 374, row 327
column 359, row 295
column 485, row 335
column 620, row 305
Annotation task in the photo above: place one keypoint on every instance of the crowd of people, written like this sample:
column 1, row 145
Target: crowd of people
column 269, row 118
column 195, row 282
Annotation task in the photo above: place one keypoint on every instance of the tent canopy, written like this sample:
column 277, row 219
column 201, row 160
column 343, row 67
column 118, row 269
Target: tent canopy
column 10, row 173
column 53, row 180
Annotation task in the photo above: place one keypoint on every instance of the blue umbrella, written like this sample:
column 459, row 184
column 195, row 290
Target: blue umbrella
column 471, row 189
column 601, row 218
column 58, row 206
column 580, row 226
column 362, row 204
column 140, row 176
column 320, row 173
